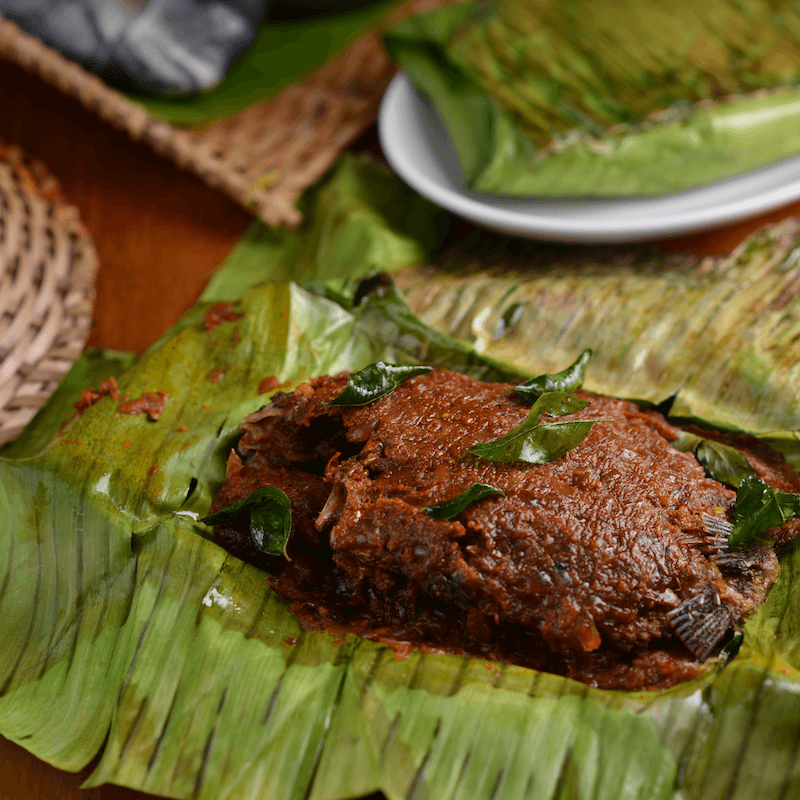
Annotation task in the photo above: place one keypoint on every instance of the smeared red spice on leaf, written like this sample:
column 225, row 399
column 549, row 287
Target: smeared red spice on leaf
column 216, row 375
column 150, row 403
column 91, row 396
column 219, row 313
column 268, row 384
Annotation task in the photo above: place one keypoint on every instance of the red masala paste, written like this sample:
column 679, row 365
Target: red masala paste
column 91, row 396
column 150, row 403
column 605, row 565
column 219, row 313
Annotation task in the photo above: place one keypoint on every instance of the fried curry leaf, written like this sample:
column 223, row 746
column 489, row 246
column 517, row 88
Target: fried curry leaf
column 759, row 507
column 537, row 442
column 568, row 380
column 448, row 509
column 375, row 381
column 723, row 462
column 270, row 518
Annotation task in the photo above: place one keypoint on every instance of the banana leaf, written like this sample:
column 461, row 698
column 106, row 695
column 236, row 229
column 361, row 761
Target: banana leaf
column 720, row 338
column 91, row 369
column 608, row 98
column 284, row 51
column 131, row 636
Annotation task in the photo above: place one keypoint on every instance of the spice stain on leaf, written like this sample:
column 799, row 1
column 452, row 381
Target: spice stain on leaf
column 150, row 403
column 269, row 384
column 91, row 396
column 219, row 313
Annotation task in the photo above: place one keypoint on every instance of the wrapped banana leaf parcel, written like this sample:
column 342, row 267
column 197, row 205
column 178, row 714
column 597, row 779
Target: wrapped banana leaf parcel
column 131, row 636
column 606, row 98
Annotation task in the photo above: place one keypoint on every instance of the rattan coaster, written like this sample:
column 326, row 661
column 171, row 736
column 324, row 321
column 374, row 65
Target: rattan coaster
column 263, row 157
column 48, row 265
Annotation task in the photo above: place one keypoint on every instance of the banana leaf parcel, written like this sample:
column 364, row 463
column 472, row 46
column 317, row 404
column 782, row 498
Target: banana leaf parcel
column 129, row 633
column 607, row 98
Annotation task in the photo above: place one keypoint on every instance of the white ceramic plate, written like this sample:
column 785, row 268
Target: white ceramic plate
column 419, row 150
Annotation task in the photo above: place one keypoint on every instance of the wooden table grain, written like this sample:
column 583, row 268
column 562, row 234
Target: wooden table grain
column 160, row 233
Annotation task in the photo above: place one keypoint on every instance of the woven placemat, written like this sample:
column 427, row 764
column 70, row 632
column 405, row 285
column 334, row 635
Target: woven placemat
column 48, row 265
column 263, row 157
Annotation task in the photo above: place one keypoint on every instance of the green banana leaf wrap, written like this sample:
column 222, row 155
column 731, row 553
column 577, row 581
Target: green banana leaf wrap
column 128, row 632
column 609, row 97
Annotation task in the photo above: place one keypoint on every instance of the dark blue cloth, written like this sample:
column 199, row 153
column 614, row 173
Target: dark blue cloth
column 169, row 47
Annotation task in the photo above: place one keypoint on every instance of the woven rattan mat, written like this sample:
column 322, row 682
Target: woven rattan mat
column 263, row 157
column 48, row 265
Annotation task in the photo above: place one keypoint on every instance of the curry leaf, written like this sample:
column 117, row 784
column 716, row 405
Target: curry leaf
column 270, row 515
column 537, row 442
column 568, row 380
column 448, row 509
column 723, row 462
column 759, row 507
column 375, row 381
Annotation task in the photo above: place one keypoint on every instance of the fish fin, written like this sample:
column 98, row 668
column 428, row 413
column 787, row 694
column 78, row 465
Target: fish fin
column 714, row 524
column 701, row 622
column 718, row 550
column 718, row 531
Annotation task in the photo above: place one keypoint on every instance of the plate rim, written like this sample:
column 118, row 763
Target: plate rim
column 395, row 126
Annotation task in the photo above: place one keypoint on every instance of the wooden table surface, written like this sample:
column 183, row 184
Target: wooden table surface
column 160, row 234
